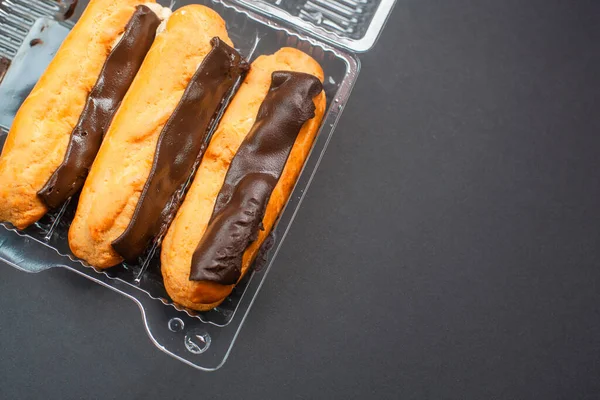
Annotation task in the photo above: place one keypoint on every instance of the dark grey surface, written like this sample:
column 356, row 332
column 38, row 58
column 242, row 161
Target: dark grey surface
column 448, row 248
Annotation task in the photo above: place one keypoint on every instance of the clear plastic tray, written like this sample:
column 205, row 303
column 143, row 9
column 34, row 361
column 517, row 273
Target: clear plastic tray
column 352, row 24
column 202, row 340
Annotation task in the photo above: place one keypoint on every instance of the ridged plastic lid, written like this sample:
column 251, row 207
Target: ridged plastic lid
column 18, row 16
column 354, row 25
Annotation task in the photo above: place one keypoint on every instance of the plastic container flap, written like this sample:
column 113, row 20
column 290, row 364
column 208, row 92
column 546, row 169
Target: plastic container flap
column 354, row 25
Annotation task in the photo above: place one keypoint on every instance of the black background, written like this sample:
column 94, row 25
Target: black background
column 448, row 247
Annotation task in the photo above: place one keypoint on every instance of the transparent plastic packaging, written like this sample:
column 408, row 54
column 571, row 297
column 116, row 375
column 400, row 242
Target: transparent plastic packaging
column 351, row 24
column 202, row 340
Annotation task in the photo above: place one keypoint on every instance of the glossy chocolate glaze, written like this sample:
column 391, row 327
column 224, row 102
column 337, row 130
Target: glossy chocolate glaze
column 116, row 76
column 252, row 176
column 181, row 143
column 4, row 64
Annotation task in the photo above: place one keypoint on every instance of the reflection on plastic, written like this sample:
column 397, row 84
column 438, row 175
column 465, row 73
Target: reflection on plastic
column 197, row 342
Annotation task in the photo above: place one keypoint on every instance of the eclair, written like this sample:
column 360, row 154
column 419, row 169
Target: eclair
column 155, row 139
column 58, row 130
column 244, row 180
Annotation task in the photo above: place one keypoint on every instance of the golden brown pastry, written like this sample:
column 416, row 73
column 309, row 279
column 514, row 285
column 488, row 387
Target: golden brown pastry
column 192, row 219
column 125, row 160
column 41, row 131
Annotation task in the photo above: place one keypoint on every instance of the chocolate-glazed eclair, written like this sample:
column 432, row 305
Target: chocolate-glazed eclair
column 252, row 176
column 244, row 180
column 180, row 144
column 155, row 137
column 46, row 123
column 116, row 76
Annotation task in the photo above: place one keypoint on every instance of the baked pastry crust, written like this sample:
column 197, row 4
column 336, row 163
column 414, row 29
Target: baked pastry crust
column 191, row 221
column 123, row 164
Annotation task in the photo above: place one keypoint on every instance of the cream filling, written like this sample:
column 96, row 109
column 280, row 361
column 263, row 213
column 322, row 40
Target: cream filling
column 163, row 13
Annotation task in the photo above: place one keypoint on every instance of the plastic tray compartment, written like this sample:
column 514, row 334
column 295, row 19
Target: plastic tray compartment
column 352, row 24
column 202, row 340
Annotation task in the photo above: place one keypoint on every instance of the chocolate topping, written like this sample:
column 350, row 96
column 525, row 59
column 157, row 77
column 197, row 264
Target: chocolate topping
column 252, row 176
column 4, row 64
column 69, row 8
column 116, row 76
column 180, row 144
